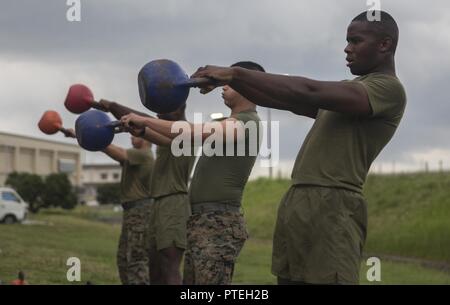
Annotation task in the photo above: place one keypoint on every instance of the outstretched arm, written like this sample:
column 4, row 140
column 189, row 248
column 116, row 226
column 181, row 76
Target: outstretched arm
column 168, row 129
column 264, row 100
column 150, row 135
column 115, row 152
column 119, row 110
column 297, row 94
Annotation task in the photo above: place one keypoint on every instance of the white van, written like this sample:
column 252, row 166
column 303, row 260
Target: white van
column 12, row 207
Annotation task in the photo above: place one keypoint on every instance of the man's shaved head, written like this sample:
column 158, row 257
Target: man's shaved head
column 385, row 27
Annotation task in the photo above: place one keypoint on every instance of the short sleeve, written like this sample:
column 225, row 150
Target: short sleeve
column 243, row 117
column 387, row 96
column 251, row 123
column 137, row 156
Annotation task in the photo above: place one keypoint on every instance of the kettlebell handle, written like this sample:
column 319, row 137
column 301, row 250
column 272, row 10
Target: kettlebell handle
column 198, row 82
column 115, row 125
column 98, row 106
column 67, row 132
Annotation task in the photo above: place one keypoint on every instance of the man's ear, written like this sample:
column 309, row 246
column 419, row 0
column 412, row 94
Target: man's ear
column 386, row 44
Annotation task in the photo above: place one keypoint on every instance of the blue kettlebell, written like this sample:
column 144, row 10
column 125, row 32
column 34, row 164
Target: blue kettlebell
column 95, row 130
column 164, row 86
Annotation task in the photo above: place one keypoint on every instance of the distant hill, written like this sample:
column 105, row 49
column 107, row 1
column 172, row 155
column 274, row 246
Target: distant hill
column 409, row 214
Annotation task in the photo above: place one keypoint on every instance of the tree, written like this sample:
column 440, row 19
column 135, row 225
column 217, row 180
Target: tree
column 58, row 192
column 108, row 193
column 55, row 191
column 29, row 187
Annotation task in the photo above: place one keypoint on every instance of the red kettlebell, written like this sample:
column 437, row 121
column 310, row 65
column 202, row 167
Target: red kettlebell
column 80, row 99
column 50, row 123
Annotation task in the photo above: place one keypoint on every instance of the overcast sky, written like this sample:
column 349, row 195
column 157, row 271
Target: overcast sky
column 42, row 54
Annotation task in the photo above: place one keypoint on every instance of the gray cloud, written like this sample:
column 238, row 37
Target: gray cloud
column 42, row 55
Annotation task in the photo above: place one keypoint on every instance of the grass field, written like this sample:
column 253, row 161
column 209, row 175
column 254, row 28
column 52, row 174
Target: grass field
column 408, row 217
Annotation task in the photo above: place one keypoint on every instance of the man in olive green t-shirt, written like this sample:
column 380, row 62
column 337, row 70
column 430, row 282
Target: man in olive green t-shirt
column 322, row 220
column 133, row 255
column 171, row 209
column 216, row 230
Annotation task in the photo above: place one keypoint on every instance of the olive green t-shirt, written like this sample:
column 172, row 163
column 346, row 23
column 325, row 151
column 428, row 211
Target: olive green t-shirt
column 340, row 148
column 223, row 178
column 136, row 175
column 171, row 174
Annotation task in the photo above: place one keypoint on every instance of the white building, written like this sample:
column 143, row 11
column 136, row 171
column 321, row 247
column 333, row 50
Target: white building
column 95, row 175
column 26, row 154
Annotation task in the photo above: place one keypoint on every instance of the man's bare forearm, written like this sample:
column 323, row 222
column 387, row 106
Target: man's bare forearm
column 285, row 90
column 302, row 93
column 116, row 153
column 163, row 127
column 263, row 99
column 119, row 110
column 156, row 137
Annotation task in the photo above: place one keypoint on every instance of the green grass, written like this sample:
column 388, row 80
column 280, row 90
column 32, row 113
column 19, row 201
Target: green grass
column 406, row 274
column 253, row 264
column 42, row 250
column 254, row 267
column 409, row 215
column 260, row 204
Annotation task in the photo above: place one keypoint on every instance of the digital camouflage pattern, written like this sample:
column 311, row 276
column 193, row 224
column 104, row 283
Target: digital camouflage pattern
column 214, row 242
column 134, row 246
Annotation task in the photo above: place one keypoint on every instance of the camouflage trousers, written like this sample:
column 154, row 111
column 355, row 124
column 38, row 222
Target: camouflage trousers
column 214, row 241
column 134, row 246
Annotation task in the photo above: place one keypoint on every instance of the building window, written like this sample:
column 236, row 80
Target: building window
column 116, row 176
column 66, row 166
column 104, row 176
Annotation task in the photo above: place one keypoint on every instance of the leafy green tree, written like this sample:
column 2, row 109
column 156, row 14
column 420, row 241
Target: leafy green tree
column 58, row 192
column 108, row 193
column 29, row 187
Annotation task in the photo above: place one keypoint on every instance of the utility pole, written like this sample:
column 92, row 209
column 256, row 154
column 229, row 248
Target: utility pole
column 269, row 140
